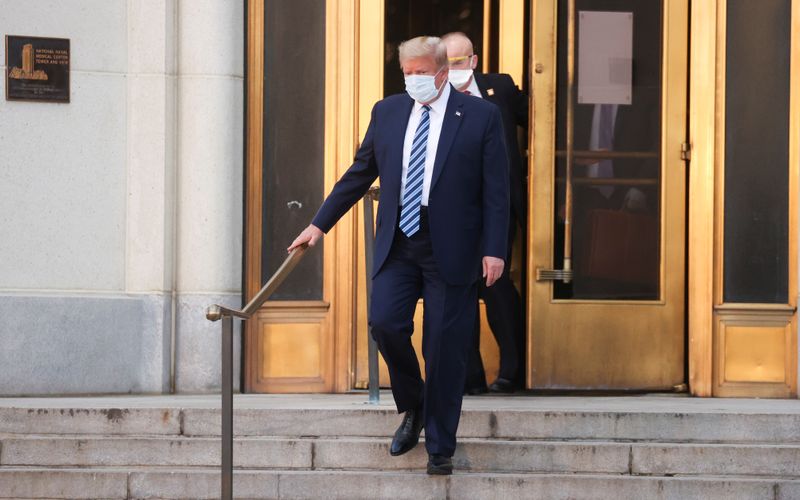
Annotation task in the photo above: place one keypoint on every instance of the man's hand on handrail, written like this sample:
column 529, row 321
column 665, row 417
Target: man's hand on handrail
column 310, row 235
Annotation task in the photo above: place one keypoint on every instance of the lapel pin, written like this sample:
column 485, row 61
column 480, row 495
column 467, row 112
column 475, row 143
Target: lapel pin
column 458, row 113
column 490, row 91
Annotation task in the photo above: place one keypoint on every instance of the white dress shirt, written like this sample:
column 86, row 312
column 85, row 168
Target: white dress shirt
column 436, row 116
column 473, row 88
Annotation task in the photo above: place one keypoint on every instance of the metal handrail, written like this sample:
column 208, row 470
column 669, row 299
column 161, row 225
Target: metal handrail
column 219, row 312
column 373, row 194
column 226, row 314
column 216, row 312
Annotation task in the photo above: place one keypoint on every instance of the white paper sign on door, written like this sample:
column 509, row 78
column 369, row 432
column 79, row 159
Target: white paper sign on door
column 605, row 57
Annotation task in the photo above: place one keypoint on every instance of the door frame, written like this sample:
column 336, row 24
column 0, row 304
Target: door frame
column 754, row 324
column 709, row 317
column 327, row 325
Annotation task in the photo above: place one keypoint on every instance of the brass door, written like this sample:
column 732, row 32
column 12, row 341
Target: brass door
column 617, row 322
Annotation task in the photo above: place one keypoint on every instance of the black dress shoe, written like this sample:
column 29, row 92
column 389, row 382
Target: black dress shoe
column 502, row 385
column 406, row 436
column 440, row 465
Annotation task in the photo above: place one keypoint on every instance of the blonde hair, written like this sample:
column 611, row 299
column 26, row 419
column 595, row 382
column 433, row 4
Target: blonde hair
column 424, row 46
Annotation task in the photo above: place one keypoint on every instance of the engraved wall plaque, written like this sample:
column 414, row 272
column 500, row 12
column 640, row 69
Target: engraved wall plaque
column 37, row 69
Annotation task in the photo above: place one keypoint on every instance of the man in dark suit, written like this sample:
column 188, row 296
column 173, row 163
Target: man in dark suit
column 441, row 225
column 503, row 301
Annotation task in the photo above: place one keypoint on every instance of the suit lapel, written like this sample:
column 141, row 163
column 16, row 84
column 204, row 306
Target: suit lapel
column 408, row 105
column 452, row 120
column 398, row 137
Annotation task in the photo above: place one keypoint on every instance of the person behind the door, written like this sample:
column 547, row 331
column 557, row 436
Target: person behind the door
column 616, row 206
column 441, row 225
column 503, row 302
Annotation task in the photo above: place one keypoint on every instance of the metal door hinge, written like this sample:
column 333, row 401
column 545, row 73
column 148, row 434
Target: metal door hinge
column 686, row 151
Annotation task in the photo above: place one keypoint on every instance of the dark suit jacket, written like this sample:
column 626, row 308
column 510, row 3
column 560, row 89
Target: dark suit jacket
column 468, row 206
column 513, row 105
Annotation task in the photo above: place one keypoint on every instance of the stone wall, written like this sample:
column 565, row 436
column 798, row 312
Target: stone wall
column 121, row 212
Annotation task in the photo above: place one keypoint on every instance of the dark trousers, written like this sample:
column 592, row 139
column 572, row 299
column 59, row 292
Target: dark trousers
column 504, row 314
column 409, row 273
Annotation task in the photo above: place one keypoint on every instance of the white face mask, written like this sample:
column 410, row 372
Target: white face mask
column 459, row 77
column 422, row 88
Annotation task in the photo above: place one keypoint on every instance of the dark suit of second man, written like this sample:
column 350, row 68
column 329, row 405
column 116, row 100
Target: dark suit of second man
column 503, row 301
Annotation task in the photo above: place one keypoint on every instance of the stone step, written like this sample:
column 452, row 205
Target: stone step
column 666, row 425
column 481, row 455
column 506, row 424
column 22, row 483
column 78, row 420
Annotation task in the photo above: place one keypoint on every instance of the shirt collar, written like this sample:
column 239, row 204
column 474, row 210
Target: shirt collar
column 440, row 104
column 473, row 87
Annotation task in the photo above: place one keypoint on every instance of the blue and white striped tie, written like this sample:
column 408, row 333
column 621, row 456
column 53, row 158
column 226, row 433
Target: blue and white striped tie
column 412, row 195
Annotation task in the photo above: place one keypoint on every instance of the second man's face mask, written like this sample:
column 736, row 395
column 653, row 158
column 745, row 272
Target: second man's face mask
column 459, row 77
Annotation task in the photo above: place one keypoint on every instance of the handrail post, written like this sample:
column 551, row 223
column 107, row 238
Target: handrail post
column 369, row 252
column 226, row 314
column 227, row 407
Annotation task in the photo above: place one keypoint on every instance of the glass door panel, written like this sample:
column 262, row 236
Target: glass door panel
column 607, row 239
column 616, row 142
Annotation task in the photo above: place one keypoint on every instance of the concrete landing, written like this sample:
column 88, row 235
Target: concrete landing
column 651, row 403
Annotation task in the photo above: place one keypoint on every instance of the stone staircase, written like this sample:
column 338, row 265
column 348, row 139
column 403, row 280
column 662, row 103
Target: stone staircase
column 328, row 446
